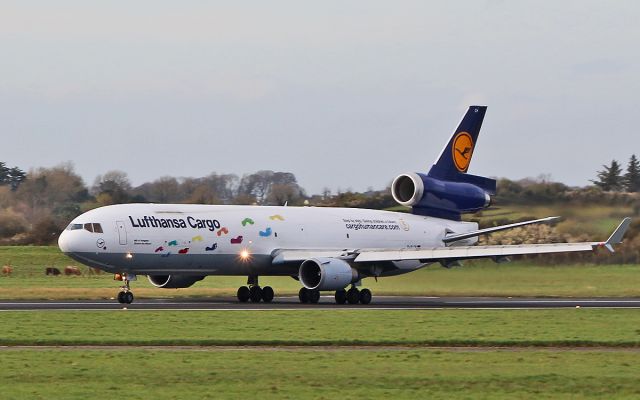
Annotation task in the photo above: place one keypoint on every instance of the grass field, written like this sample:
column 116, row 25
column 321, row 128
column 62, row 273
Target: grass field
column 328, row 354
column 325, row 374
column 573, row 327
column 287, row 362
column 476, row 278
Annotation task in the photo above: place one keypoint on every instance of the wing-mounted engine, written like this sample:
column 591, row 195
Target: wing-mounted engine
column 327, row 274
column 438, row 197
column 173, row 281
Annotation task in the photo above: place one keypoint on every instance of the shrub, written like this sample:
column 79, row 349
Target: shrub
column 11, row 224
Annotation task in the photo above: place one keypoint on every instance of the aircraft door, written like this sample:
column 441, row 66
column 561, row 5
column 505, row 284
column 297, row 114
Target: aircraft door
column 122, row 232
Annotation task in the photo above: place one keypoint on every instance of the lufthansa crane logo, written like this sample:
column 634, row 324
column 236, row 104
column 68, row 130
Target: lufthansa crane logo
column 462, row 150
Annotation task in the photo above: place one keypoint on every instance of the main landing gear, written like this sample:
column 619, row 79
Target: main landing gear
column 125, row 296
column 254, row 292
column 309, row 296
column 353, row 296
column 342, row 296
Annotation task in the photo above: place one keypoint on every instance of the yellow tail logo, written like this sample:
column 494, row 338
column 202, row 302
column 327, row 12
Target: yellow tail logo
column 462, row 150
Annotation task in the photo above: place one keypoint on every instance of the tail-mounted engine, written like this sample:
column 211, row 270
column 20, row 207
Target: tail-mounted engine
column 441, row 198
column 447, row 190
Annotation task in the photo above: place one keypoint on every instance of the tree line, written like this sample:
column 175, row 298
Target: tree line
column 611, row 178
column 12, row 177
column 35, row 206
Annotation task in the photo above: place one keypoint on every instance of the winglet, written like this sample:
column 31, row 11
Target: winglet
column 617, row 235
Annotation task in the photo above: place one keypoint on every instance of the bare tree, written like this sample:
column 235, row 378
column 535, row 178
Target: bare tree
column 281, row 194
column 260, row 186
column 113, row 187
column 165, row 190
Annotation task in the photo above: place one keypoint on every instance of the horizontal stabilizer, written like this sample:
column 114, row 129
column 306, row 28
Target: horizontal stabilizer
column 466, row 235
column 486, row 184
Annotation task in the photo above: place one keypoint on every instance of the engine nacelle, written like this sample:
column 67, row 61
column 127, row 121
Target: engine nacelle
column 438, row 197
column 173, row 281
column 327, row 274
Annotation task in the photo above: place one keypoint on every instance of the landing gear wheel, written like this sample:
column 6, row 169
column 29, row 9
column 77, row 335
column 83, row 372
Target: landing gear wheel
column 365, row 296
column 353, row 296
column 303, row 295
column 125, row 296
column 243, row 294
column 341, row 296
column 267, row 294
column 128, row 297
column 314, row 296
column 255, row 294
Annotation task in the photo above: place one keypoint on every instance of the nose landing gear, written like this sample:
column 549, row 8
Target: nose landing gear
column 125, row 296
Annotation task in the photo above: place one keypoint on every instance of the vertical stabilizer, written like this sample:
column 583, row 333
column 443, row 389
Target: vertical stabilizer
column 447, row 190
column 453, row 163
column 456, row 156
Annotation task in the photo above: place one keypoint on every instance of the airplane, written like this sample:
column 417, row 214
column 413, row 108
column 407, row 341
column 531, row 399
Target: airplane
column 324, row 248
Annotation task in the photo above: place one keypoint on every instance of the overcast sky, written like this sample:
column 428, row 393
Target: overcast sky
column 344, row 94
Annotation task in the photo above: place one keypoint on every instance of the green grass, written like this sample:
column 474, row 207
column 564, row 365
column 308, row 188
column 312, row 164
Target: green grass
column 276, row 374
column 275, row 370
column 34, row 259
column 476, row 278
column 573, row 327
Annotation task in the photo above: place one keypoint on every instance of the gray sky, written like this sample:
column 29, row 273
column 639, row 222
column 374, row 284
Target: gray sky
column 345, row 94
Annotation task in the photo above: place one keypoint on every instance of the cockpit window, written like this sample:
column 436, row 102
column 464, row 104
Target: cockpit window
column 89, row 226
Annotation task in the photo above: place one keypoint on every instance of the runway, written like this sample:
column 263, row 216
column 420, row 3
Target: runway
column 326, row 303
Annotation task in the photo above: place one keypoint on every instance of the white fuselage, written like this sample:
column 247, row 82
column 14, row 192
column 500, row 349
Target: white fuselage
column 240, row 240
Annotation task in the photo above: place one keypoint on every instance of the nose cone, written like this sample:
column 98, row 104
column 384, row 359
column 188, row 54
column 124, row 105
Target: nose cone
column 64, row 242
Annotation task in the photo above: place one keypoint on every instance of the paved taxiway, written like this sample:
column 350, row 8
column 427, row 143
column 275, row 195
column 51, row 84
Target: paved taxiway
column 327, row 303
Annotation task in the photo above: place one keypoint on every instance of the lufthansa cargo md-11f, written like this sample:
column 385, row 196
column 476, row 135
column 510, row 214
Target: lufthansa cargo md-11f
column 326, row 249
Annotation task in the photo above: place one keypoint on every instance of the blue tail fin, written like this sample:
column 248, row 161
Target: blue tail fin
column 453, row 163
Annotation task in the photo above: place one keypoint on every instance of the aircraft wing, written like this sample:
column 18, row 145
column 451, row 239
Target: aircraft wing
column 453, row 252
column 286, row 256
column 465, row 252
